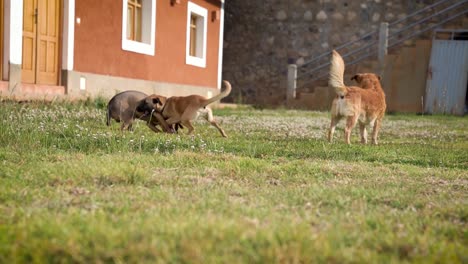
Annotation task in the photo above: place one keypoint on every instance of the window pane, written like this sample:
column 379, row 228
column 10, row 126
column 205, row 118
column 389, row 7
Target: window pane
column 130, row 20
column 138, row 23
column 193, row 36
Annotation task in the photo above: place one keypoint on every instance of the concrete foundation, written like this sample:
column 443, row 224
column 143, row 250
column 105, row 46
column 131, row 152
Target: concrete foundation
column 14, row 77
column 82, row 85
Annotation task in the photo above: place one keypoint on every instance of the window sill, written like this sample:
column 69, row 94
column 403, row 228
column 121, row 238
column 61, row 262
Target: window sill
column 138, row 47
column 195, row 61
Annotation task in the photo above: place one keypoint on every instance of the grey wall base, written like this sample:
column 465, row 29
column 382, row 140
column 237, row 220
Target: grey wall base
column 14, row 79
column 87, row 85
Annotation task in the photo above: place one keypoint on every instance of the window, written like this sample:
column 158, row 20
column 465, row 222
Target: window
column 193, row 35
column 139, row 26
column 196, row 35
column 134, row 20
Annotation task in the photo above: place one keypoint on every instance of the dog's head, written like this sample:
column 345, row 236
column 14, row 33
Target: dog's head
column 151, row 103
column 367, row 80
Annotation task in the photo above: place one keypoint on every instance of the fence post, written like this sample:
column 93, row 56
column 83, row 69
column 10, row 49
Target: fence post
column 292, row 75
column 383, row 45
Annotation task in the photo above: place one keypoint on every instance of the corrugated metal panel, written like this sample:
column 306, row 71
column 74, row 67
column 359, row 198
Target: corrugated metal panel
column 447, row 78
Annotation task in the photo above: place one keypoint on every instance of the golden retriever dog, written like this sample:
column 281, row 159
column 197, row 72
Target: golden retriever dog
column 185, row 109
column 364, row 104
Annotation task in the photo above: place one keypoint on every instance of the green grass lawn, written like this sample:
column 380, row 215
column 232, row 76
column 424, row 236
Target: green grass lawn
column 75, row 190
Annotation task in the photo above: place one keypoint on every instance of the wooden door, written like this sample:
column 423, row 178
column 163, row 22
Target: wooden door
column 28, row 65
column 40, row 41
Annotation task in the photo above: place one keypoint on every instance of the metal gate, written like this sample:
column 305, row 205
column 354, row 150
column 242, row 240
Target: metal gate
column 446, row 85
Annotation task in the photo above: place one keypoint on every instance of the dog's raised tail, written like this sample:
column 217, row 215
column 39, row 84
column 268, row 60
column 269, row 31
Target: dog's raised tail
column 221, row 95
column 337, row 68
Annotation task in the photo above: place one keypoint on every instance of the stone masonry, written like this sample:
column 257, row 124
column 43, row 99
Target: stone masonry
column 263, row 36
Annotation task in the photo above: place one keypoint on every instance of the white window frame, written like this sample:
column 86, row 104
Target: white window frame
column 148, row 29
column 201, row 40
column 68, row 34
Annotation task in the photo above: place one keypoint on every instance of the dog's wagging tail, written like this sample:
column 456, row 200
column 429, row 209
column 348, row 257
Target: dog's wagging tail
column 337, row 68
column 221, row 95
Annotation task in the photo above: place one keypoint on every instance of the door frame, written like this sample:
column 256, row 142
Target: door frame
column 13, row 44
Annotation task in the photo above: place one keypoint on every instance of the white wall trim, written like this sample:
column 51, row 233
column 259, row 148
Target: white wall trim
column 202, row 12
column 14, row 33
column 68, row 34
column 221, row 46
column 147, row 46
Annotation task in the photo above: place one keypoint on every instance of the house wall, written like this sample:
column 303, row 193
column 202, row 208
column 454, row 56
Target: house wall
column 98, row 51
column 94, row 64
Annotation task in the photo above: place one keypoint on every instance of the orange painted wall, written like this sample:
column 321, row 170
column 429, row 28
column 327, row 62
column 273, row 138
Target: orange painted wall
column 98, row 44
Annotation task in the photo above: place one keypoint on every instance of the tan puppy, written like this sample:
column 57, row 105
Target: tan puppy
column 184, row 109
column 365, row 104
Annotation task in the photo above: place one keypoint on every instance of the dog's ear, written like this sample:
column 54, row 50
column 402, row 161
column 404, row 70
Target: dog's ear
column 355, row 77
column 156, row 101
column 378, row 77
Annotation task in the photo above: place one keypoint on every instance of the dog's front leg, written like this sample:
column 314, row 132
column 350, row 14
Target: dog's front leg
column 153, row 127
column 363, row 132
column 161, row 122
column 172, row 120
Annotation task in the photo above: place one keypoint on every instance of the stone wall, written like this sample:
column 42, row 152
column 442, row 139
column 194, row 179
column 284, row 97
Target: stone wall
column 262, row 37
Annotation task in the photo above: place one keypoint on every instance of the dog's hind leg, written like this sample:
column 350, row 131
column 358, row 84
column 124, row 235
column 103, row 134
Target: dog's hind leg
column 350, row 123
column 209, row 117
column 363, row 132
column 375, row 131
column 127, row 119
column 189, row 126
column 331, row 131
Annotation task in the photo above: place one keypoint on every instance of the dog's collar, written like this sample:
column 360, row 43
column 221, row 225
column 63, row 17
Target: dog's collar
column 162, row 110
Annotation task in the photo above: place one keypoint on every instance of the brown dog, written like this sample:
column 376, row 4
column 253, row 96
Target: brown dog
column 366, row 80
column 365, row 104
column 184, row 109
column 122, row 108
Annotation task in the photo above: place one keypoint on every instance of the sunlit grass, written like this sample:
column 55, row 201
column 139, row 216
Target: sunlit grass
column 75, row 190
